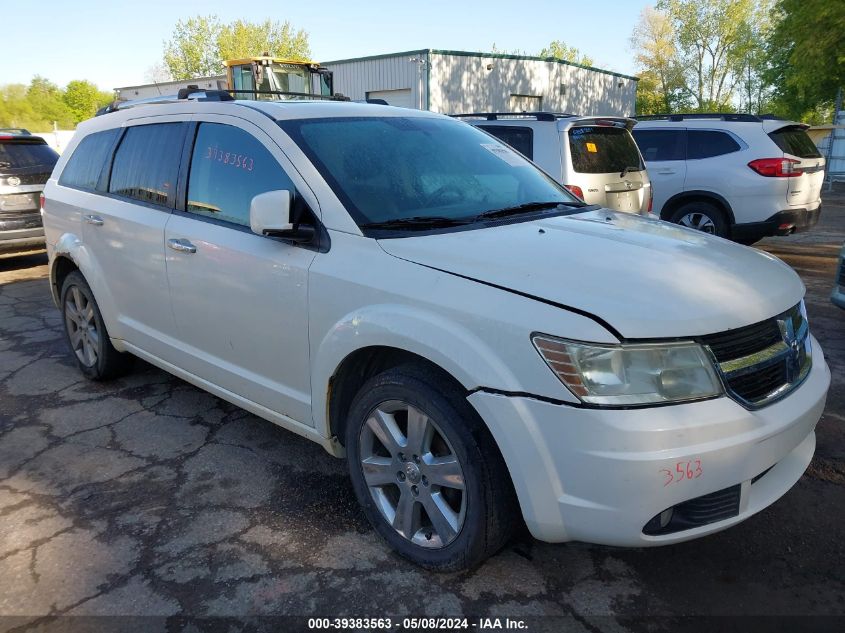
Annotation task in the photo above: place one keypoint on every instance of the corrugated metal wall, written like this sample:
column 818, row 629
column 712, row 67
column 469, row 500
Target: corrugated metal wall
column 356, row 78
column 462, row 83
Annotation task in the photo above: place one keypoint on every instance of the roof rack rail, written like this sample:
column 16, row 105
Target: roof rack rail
column 494, row 116
column 724, row 116
column 191, row 93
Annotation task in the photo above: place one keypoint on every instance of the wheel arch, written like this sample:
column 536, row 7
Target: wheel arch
column 693, row 195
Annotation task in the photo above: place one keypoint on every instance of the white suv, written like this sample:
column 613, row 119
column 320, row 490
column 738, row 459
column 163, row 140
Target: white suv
column 734, row 175
column 397, row 287
column 593, row 157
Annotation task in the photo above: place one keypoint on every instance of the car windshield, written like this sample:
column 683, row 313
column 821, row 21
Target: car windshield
column 421, row 169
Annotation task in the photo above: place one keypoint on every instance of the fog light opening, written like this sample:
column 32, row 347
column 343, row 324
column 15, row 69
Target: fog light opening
column 665, row 517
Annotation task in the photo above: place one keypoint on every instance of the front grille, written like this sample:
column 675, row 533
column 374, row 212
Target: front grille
column 763, row 362
column 703, row 510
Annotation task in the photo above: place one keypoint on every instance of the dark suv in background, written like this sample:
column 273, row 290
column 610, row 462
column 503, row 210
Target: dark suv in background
column 26, row 162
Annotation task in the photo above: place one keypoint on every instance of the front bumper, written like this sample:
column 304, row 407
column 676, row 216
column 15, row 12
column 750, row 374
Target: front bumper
column 781, row 223
column 599, row 475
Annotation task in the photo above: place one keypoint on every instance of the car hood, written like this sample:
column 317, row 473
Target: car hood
column 645, row 278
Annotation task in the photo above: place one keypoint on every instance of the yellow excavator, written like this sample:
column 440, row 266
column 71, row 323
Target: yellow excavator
column 274, row 78
column 263, row 78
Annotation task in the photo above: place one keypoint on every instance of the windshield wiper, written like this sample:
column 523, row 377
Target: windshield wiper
column 416, row 222
column 627, row 169
column 526, row 207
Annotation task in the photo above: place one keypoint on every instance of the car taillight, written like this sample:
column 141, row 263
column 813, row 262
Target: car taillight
column 776, row 167
column 41, row 202
column 650, row 198
column 575, row 190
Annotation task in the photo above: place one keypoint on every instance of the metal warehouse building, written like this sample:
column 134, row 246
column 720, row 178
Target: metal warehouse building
column 457, row 82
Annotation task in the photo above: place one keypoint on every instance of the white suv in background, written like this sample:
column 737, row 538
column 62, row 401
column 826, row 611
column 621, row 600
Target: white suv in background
column 734, row 175
column 410, row 293
column 593, row 157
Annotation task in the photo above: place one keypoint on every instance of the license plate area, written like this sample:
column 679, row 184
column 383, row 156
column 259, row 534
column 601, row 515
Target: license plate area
column 19, row 201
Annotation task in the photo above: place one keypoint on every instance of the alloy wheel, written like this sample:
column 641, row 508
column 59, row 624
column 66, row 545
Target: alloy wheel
column 414, row 476
column 81, row 326
column 699, row 222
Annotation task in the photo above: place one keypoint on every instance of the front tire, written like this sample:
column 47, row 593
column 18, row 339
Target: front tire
column 701, row 216
column 86, row 333
column 426, row 471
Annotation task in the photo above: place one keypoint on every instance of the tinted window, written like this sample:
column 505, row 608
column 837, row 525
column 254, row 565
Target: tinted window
column 657, row 145
column 26, row 153
column 794, row 140
column 84, row 166
column 391, row 168
column 520, row 138
column 706, row 144
column 146, row 164
column 229, row 167
column 602, row 150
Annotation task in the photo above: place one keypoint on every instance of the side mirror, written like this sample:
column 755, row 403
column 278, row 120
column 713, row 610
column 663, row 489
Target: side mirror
column 270, row 212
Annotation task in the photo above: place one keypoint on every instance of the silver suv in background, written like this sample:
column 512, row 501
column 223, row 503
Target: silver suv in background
column 26, row 162
column 594, row 157
column 738, row 176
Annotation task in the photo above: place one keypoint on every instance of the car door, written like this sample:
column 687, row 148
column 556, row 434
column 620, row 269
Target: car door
column 240, row 300
column 664, row 153
column 123, row 230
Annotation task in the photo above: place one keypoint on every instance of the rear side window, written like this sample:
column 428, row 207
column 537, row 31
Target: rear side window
column 657, row 145
column 794, row 140
column 85, row 164
column 520, row 138
column 706, row 144
column 229, row 167
column 146, row 164
column 602, row 150
column 17, row 153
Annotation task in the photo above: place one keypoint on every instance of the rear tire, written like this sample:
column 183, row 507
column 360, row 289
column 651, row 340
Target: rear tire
column 436, row 487
column 701, row 216
column 86, row 333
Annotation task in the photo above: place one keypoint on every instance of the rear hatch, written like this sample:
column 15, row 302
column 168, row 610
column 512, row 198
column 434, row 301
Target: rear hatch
column 803, row 188
column 26, row 163
column 607, row 165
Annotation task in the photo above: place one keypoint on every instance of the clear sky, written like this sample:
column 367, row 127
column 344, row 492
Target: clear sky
column 114, row 43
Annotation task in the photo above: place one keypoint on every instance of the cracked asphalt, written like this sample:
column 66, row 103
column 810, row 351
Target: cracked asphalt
column 146, row 496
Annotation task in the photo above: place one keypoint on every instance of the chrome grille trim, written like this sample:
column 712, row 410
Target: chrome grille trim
column 782, row 365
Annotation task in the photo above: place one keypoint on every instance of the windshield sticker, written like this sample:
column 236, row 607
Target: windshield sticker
column 591, row 147
column 507, row 155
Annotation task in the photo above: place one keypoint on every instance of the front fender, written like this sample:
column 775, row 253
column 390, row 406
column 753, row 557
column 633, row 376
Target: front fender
column 454, row 348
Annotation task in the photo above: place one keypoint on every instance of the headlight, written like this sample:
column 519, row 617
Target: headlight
column 621, row 375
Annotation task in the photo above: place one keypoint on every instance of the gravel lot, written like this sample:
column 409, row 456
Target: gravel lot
column 146, row 496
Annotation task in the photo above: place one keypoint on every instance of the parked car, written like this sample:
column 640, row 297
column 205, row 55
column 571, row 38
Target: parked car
column 838, row 294
column 25, row 165
column 593, row 157
column 406, row 291
column 737, row 176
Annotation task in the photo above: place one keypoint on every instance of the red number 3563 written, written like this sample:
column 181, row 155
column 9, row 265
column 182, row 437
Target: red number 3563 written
column 682, row 470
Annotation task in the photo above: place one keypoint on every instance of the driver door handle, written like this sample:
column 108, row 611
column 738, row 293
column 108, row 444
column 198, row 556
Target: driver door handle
column 182, row 245
column 96, row 220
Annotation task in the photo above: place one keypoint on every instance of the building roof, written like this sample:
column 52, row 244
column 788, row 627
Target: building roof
column 426, row 51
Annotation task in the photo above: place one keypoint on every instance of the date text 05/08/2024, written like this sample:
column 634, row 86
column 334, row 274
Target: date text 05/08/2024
column 413, row 624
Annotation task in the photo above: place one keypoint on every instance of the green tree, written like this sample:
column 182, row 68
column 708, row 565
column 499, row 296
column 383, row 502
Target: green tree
column 199, row 45
column 713, row 39
column 83, row 98
column 560, row 50
column 192, row 50
column 806, row 54
column 656, row 55
column 246, row 39
column 47, row 103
